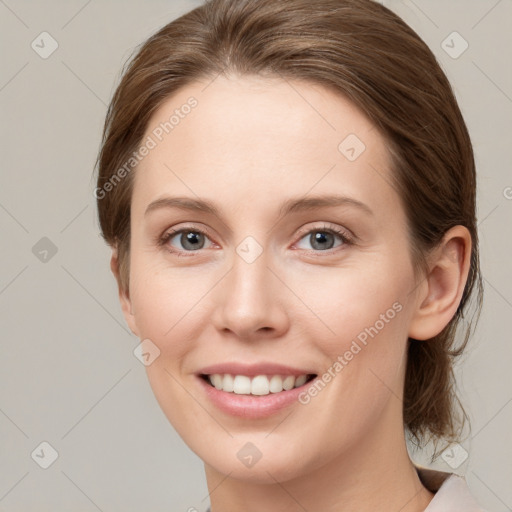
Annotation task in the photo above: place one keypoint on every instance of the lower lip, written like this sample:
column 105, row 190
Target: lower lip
column 251, row 406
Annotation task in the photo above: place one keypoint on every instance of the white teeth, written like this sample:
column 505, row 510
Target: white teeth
column 227, row 383
column 276, row 384
column 259, row 385
column 300, row 381
column 242, row 385
column 288, row 382
column 216, row 380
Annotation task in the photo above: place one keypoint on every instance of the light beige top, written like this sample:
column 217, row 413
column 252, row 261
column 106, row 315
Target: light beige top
column 451, row 491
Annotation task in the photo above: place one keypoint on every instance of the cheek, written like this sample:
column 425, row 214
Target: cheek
column 363, row 382
column 169, row 311
column 344, row 302
column 168, row 303
column 367, row 312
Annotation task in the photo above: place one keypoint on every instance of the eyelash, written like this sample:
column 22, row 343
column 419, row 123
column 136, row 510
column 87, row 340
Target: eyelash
column 345, row 237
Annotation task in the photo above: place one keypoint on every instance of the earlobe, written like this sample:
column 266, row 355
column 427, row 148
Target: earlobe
column 448, row 272
column 124, row 295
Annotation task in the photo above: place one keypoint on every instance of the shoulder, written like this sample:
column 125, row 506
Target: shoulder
column 451, row 491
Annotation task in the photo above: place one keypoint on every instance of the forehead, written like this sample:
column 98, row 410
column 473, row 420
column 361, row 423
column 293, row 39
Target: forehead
column 254, row 139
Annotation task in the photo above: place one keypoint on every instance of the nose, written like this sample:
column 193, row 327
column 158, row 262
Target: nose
column 250, row 301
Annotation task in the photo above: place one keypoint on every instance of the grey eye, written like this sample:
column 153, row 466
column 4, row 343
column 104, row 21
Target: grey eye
column 189, row 240
column 321, row 240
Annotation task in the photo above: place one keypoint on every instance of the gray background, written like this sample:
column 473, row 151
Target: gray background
column 68, row 373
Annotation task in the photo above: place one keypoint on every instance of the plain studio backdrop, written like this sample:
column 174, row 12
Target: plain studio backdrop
column 70, row 385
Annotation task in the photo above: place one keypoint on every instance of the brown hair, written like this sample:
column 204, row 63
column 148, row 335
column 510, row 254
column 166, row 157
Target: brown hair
column 365, row 52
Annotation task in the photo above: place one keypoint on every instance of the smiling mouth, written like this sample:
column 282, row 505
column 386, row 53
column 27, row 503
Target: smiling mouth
column 259, row 385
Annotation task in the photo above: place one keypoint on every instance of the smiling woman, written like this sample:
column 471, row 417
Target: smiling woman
column 301, row 248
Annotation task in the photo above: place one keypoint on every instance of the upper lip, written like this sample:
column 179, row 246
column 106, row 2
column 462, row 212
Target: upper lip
column 251, row 370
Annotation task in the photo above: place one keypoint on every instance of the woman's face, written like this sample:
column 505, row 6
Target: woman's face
column 300, row 267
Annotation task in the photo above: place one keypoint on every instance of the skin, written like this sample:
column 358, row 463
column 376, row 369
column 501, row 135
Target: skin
column 249, row 145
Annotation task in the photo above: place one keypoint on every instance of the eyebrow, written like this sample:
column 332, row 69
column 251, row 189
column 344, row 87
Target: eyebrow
column 290, row 206
column 310, row 203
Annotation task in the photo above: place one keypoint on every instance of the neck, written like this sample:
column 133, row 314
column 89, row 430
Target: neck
column 374, row 475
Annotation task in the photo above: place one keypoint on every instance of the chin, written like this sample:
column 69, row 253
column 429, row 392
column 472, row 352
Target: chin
column 242, row 460
column 262, row 472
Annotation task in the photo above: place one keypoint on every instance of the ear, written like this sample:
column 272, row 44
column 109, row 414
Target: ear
column 440, row 294
column 124, row 296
